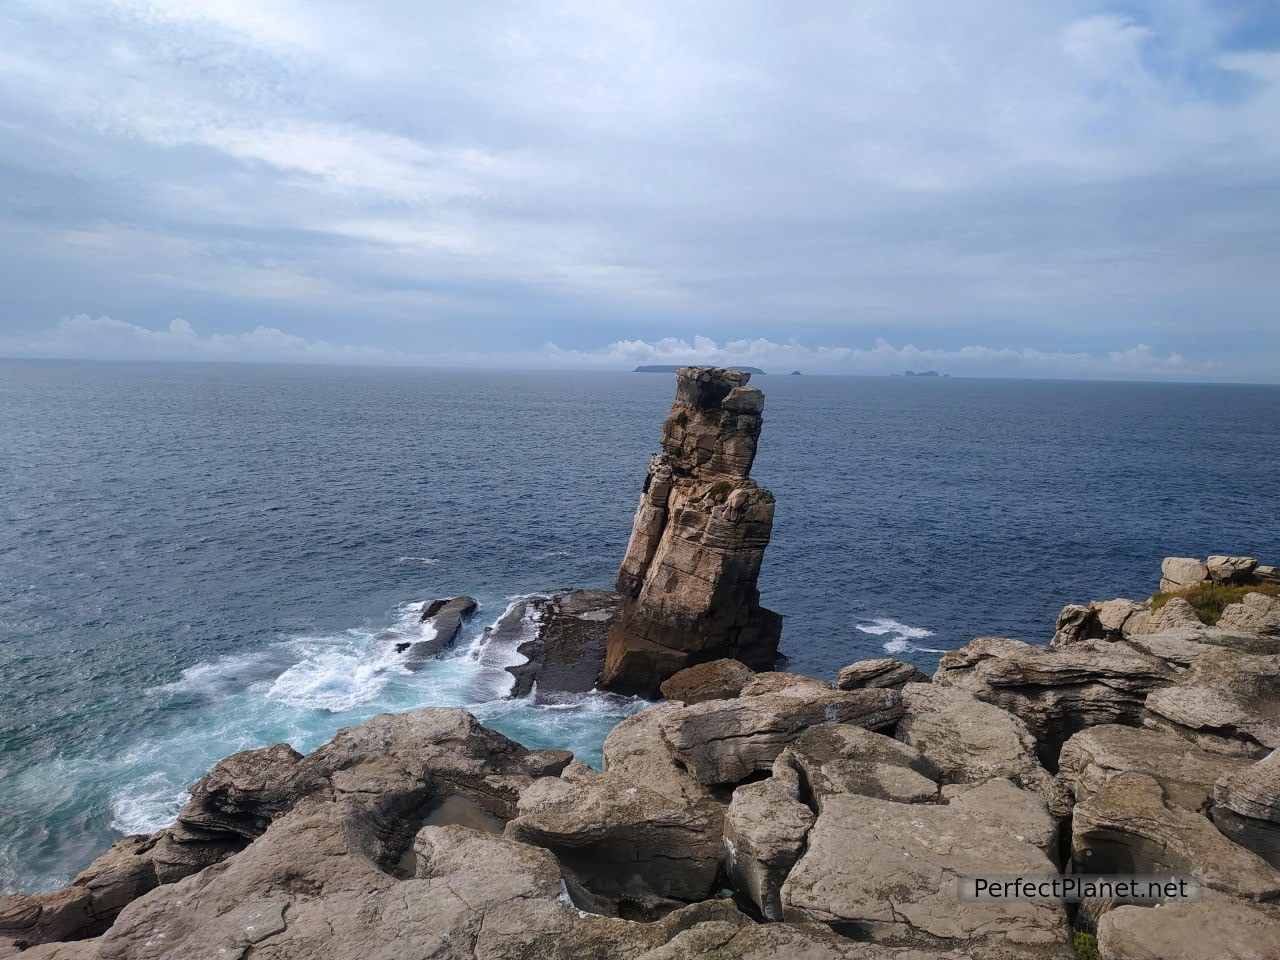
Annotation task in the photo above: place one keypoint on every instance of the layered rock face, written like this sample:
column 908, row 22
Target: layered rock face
column 688, row 579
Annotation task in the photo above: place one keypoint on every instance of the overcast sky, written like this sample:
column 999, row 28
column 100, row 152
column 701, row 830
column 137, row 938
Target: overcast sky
column 988, row 187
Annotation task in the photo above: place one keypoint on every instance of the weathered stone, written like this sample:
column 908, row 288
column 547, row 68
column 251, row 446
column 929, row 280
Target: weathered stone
column 717, row 680
column 971, row 741
column 1266, row 573
column 1214, row 928
column 1185, row 773
column 689, row 575
column 882, row 672
column 727, row 741
column 836, row 758
column 1256, row 613
column 570, row 629
column 1228, row 702
column 636, row 749
column 1126, row 826
column 1247, row 807
column 446, row 617
column 776, row 681
column 1231, row 569
column 888, row 872
column 1179, row 573
column 1056, row 691
column 764, row 831
column 622, row 840
column 1100, row 620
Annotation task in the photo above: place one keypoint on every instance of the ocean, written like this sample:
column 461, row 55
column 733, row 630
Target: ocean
column 199, row 559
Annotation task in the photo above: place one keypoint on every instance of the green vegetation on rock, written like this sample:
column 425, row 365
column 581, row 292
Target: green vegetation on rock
column 1210, row 599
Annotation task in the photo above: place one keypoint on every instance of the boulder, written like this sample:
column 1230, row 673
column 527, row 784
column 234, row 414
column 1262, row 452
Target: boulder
column 1180, row 573
column 445, row 617
column 1247, row 807
column 728, row 741
column 620, row 839
column 881, row 672
column 1218, row 927
column 970, row 741
column 635, row 749
column 776, row 681
column 1266, row 573
column 1231, row 569
column 716, row 680
column 1126, row 826
column 837, row 758
column 1256, row 613
column 1226, row 701
column 764, row 835
column 1056, row 691
column 1100, row 620
column 688, row 579
column 565, row 653
column 1186, row 773
column 889, row 872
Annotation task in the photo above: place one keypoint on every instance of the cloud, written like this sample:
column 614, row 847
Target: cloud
column 85, row 336
column 105, row 338
column 1068, row 175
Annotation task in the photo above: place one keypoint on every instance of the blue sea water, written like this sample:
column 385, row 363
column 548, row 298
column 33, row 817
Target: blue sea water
column 197, row 559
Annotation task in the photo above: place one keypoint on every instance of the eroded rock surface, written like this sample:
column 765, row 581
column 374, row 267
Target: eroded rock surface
column 1247, row 807
column 1226, row 701
column 689, row 575
column 446, row 617
column 837, row 758
column 565, row 651
column 881, row 672
column 715, row 680
column 1217, row 927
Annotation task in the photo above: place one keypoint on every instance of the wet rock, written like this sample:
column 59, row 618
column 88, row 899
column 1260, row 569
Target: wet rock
column 1247, row 807
column 882, row 672
column 1186, row 773
column 1056, row 691
column 689, row 575
column 727, row 741
column 971, row 741
column 1179, row 573
column 1219, row 927
column 1126, row 826
column 837, row 758
column 446, row 617
column 1227, row 702
column 717, row 680
column 887, row 872
column 566, row 652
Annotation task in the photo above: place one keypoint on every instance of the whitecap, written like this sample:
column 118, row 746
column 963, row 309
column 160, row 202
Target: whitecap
column 337, row 678
column 900, row 635
column 425, row 561
column 146, row 806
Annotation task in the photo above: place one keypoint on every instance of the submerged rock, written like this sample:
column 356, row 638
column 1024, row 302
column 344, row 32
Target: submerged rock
column 689, row 575
column 566, row 651
column 446, row 617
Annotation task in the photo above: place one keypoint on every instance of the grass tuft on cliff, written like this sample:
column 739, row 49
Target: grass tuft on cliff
column 1085, row 945
column 1210, row 599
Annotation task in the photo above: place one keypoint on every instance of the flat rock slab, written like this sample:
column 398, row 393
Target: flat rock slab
column 1127, row 827
column 888, row 872
column 717, row 680
column 1215, row 928
column 1185, row 772
column 1226, row 701
column 727, row 741
column 881, row 672
column 566, row 652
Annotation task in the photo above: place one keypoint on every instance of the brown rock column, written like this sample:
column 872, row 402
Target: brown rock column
column 688, row 579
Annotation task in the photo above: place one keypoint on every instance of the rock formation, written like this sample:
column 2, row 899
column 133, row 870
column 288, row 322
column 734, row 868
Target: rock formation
column 445, row 616
column 688, row 579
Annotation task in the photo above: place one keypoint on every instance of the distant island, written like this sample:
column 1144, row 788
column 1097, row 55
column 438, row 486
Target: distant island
column 926, row 373
column 795, row 373
column 673, row 367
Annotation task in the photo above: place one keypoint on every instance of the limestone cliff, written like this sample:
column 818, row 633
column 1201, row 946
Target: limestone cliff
column 688, row 579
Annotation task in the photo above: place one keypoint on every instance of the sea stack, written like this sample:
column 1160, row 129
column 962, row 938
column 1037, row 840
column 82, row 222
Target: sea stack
column 688, row 579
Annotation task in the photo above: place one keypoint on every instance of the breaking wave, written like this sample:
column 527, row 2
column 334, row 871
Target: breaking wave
column 901, row 637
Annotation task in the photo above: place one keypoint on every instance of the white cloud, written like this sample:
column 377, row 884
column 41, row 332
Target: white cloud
column 106, row 338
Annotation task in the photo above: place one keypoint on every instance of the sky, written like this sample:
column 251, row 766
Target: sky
column 988, row 188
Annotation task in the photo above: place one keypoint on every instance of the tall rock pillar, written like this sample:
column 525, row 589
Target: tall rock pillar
column 688, row 579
